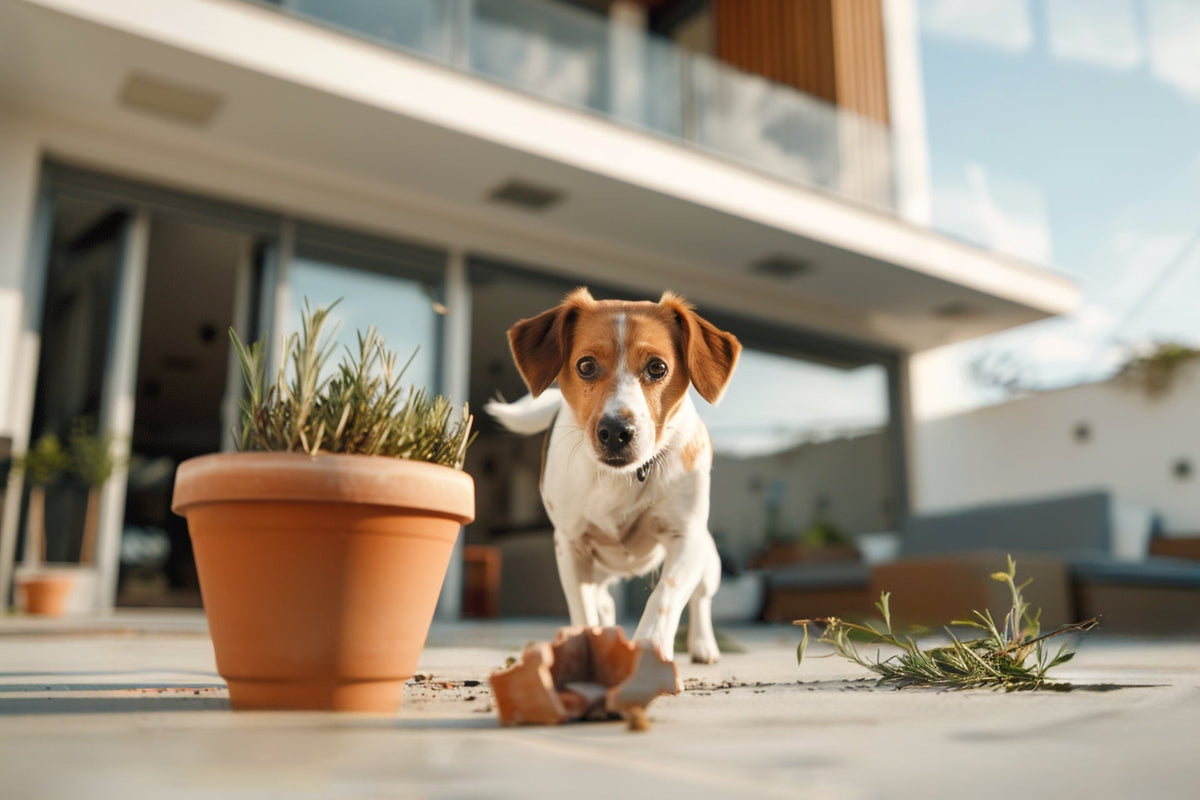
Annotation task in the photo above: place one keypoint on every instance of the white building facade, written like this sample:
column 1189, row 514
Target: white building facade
column 169, row 170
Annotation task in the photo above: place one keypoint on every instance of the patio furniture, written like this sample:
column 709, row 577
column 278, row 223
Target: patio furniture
column 1101, row 547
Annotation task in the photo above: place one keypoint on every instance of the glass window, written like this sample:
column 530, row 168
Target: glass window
column 419, row 25
column 405, row 311
column 556, row 52
column 803, row 453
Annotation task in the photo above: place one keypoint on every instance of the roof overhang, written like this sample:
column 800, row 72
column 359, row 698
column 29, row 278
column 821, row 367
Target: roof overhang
column 429, row 145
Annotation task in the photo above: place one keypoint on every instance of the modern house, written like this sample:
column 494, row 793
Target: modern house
column 171, row 169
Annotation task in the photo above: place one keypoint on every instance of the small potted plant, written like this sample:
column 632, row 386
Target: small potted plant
column 92, row 462
column 41, row 589
column 323, row 545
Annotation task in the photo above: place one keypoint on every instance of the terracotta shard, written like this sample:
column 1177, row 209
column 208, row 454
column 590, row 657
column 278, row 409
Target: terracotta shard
column 584, row 673
column 652, row 675
column 585, row 700
column 572, row 656
column 525, row 693
column 613, row 655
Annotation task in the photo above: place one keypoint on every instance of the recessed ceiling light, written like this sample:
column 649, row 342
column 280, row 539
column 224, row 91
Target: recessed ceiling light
column 165, row 98
column 955, row 309
column 781, row 267
column 524, row 194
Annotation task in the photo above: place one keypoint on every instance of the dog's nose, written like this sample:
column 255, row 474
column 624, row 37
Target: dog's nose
column 614, row 434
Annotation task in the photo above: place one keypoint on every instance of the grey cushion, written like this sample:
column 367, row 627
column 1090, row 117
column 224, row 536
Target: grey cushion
column 1175, row 573
column 825, row 575
column 1070, row 526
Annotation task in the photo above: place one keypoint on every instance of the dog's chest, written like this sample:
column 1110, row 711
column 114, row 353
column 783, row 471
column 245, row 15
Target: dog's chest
column 616, row 522
column 634, row 548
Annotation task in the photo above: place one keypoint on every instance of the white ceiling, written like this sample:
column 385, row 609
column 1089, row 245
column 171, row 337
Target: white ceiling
column 59, row 66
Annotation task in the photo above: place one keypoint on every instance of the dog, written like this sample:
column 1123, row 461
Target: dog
column 626, row 468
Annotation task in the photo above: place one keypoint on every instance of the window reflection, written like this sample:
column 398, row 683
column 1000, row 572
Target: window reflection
column 800, row 447
column 405, row 311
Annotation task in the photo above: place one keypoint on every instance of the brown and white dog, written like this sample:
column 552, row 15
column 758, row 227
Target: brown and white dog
column 625, row 479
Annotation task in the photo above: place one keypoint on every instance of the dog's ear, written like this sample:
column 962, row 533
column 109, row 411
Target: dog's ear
column 710, row 353
column 541, row 344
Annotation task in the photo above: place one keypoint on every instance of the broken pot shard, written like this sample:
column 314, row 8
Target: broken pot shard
column 572, row 657
column 651, row 676
column 525, row 693
column 584, row 673
column 614, row 657
column 584, row 699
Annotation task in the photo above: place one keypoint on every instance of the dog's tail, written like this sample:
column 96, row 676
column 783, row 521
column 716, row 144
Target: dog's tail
column 529, row 414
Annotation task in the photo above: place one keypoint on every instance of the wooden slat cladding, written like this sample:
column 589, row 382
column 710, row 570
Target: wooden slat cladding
column 859, row 57
column 829, row 48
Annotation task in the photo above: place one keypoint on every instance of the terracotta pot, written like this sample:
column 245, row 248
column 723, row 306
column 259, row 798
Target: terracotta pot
column 45, row 592
column 320, row 575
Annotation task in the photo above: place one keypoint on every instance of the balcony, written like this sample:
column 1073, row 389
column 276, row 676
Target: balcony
column 747, row 195
column 582, row 60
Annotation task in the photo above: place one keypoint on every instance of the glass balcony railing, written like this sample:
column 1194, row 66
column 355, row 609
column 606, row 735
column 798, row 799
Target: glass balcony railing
column 580, row 59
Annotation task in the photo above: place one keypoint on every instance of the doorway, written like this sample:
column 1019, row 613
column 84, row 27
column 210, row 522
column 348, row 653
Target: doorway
column 197, row 276
column 135, row 344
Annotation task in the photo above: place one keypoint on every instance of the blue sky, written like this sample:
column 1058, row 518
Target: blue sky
column 1067, row 132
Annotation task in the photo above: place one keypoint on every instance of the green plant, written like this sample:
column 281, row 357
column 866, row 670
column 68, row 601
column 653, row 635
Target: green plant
column 93, row 462
column 92, row 459
column 823, row 533
column 1155, row 370
column 44, row 462
column 361, row 408
column 1011, row 658
column 42, row 465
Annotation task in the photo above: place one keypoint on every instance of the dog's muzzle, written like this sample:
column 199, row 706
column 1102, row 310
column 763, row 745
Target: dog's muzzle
column 615, row 436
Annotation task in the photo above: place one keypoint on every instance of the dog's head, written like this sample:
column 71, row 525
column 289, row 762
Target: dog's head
column 624, row 368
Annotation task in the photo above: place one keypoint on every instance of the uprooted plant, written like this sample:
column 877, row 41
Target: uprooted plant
column 1013, row 657
column 362, row 408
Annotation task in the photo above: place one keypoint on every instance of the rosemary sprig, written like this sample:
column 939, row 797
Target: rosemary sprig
column 1014, row 657
column 362, row 408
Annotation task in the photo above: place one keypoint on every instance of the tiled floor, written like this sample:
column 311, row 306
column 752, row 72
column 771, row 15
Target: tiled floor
column 132, row 707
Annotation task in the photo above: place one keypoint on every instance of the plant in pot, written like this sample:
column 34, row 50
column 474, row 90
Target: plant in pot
column 42, row 589
column 322, row 545
column 822, row 541
column 92, row 462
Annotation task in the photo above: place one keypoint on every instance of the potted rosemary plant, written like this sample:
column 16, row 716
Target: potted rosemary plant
column 323, row 545
column 41, row 588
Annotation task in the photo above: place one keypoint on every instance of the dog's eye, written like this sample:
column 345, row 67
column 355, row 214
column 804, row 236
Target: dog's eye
column 587, row 368
column 656, row 370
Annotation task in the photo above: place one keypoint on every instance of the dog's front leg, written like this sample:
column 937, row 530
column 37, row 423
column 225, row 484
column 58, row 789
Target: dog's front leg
column 683, row 569
column 576, row 570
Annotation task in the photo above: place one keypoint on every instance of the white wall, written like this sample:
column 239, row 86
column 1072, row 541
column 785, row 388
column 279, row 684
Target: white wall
column 1027, row 447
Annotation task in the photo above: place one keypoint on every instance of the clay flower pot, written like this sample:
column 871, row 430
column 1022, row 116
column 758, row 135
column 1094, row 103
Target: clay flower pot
column 320, row 574
column 44, row 591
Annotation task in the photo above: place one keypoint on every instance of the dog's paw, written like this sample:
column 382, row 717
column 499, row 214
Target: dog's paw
column 704, row 652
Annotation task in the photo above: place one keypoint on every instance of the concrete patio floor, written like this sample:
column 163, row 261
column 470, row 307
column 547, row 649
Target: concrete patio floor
column 131, row 706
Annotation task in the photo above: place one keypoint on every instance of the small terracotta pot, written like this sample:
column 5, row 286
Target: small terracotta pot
column 45, row 593
column 320, row 575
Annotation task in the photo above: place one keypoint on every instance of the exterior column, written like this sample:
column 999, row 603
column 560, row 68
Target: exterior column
column 456, row 378
column 905, row 459
column 117, row 403
column 26, row 222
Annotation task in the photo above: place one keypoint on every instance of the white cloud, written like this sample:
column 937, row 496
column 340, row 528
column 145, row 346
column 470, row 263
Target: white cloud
column 1174, row 29
column 1099, row 32
column 1001, row 24
column 1004, row 214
